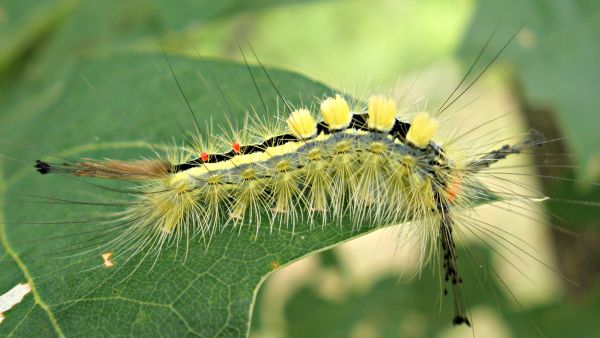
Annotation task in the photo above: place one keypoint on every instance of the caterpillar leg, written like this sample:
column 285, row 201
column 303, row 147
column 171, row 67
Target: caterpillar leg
column 450, row 259
column 451, row 274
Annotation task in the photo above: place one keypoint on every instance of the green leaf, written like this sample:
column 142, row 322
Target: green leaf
column 23, row 24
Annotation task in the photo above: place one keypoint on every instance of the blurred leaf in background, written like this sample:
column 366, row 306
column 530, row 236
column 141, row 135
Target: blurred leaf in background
column 554, row 73
column 555, row 60
column 393, row 308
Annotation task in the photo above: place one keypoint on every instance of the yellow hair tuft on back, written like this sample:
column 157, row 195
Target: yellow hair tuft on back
column 336, row 112
column 302, row 124
column 382, row 113
column 422, row 129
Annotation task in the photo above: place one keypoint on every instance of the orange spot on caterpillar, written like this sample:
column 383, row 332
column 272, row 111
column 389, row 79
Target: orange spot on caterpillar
column 274, row 265
column 204, row 156
column 453, row 189
column 106, row 258
column 236, row 147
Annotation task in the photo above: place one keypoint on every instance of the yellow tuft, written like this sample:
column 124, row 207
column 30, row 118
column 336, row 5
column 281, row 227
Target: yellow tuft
column 336, row 112
column 422, row 130
column 302, row 124
column 382, row 113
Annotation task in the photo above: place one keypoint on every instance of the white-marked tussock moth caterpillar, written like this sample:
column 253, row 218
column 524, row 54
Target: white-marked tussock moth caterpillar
column 361, row 162
column 326, row 162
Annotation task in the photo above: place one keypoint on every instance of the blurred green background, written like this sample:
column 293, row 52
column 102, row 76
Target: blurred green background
column 547, row 79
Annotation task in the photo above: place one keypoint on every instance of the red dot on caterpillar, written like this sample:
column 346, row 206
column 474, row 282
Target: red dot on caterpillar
column 236, row 147
column 453, row 188
column 204, row 156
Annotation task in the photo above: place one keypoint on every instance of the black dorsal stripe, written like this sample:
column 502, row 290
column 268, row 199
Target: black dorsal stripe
column 358, row 122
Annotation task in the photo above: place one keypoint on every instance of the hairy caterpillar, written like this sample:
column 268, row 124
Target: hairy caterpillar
column 62, row 235
column 361, row 163
column 432, row 183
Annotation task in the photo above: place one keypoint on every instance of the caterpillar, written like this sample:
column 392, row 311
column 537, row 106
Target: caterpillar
column 94, row 239
column 332, row 162
column 359, row 162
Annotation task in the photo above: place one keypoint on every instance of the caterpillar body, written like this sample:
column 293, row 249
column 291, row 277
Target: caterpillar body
column 365, row 163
